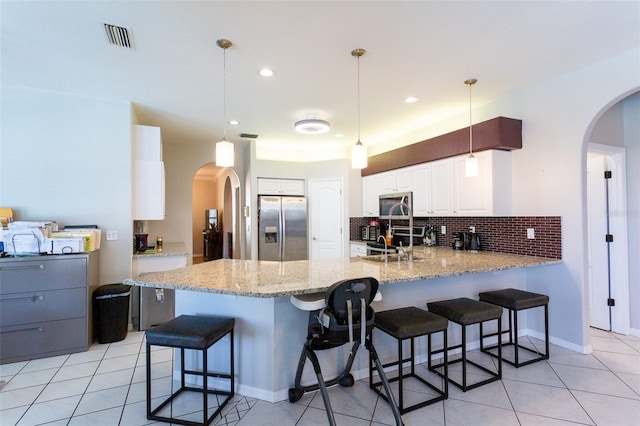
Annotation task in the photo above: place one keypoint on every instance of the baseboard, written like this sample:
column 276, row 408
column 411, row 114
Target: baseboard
column 634, row 332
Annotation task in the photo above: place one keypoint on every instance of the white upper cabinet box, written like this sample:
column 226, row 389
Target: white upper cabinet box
column 268, row 186
column 148, row 174
column 147, row 143
column 371, row 189
column 442, row 188
column 489, row 193
column 433, row 190
column 148, row 190
column 399, row 180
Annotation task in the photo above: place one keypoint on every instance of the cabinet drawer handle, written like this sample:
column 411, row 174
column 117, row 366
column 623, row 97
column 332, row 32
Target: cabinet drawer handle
column 20, row 299
column 18, row 267
column 40, row 329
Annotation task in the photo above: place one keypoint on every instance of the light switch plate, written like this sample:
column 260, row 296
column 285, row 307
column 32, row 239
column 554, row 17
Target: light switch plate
column 443, row 230
column 531, row 234
column 112, row 235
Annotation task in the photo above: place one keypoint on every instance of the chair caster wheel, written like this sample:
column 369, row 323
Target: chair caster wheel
column 295, row 394
column 347, row 381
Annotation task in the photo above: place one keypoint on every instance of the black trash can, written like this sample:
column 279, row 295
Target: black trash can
column 111, row 312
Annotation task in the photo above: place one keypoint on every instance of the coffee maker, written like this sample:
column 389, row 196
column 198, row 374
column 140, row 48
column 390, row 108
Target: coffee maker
column 466, row 241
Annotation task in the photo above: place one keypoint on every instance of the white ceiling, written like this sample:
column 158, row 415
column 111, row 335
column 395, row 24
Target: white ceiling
column 426, row 49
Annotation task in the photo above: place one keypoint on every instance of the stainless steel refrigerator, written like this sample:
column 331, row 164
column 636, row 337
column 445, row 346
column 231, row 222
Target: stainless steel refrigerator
column 282, row 225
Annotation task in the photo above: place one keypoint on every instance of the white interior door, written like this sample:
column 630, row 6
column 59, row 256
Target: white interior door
column 608, row 262
column 597, row 247
column 325, row 218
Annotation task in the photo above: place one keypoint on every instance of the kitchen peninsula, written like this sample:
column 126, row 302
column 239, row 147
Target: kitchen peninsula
column 270, row 330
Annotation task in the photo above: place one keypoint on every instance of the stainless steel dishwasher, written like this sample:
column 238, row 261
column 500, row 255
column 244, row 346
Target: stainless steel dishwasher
column 152, row 306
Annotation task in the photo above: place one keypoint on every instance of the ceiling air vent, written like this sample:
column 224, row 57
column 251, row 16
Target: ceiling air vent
column 118, row 36
column 248, row 136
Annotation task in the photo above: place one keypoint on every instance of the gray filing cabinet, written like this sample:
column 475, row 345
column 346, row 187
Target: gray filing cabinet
column 45, row 305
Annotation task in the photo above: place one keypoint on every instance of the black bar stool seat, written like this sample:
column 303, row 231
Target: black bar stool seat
column 517, row 300
column 464, row 311
column 194, row 333
column 409, row 323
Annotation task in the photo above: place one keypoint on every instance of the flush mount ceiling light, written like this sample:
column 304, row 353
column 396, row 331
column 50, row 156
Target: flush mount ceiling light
column 224, row 148
column 471, row 163
column 266, row 72
column 359, row 151
column 311, row 126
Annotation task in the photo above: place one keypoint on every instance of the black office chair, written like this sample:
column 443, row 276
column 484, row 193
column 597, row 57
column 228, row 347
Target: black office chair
column 341, row 322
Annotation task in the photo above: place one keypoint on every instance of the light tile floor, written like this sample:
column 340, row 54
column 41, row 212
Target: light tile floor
column 106, row 386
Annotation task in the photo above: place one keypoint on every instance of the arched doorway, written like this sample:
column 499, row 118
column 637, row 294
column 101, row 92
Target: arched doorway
column 611, row 229
column 216, row 188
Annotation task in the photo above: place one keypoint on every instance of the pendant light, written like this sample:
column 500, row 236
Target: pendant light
column 224, row 148
column 359, row 151
column 471, row 163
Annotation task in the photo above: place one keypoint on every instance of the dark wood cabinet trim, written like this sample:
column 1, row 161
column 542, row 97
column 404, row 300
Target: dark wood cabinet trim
column 498, row 133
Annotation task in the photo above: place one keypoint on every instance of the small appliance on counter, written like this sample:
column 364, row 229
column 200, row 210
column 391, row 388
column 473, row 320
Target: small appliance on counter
column 458, row 241
column 141, row 242
column 466, row 241
column 370, row 232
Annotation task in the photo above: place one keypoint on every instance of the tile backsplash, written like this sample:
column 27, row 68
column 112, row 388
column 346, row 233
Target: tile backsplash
column 506, row 234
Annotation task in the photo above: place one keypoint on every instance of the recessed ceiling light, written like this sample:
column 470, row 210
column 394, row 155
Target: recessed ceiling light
column 234, row 122
column 311, row 126
column 339, row 135
column 266, row 72
column 410, row 99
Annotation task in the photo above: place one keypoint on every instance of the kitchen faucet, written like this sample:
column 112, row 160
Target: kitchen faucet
column 386, row 254
column 408, row 250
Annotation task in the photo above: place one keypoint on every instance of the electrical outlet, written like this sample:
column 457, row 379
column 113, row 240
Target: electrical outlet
column 443, row 230
column 472, row 229
column 112, row 235
column 531, row 234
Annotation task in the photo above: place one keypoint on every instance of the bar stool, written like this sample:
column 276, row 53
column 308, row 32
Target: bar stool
column 465, row 311
column 195, row 333
column 518, row 300
column 409, row 323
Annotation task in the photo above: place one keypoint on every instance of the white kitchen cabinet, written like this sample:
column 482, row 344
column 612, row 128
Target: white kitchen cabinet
column 421, row 188
column 269, row 186
column 357, row 249
column 371, row 189
column 442, row 188
column 489, row 193
column 148, row 186
column 399, row 180
column 433, row 189
column 147, row 143
column 148, row 190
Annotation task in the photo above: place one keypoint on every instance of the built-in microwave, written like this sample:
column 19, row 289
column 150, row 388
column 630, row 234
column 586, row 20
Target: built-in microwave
column 387, row 201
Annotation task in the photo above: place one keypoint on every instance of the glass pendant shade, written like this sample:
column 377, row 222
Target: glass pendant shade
column 471, row 163
column 359, row 156
column 471, row 166
column 359, row 151
column 224, row 148
column 224, row 153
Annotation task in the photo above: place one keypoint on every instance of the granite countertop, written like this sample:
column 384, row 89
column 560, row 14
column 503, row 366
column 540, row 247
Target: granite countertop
column 168, row 249
column 258, row 278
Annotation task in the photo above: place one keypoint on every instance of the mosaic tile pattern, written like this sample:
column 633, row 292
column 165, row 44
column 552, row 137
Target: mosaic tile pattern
column 502, row 234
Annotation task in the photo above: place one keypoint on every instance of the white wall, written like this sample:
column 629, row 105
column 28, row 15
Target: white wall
column 549, row 174
column 68, row 158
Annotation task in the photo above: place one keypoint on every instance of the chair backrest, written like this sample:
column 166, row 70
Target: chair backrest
column 353, row 290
